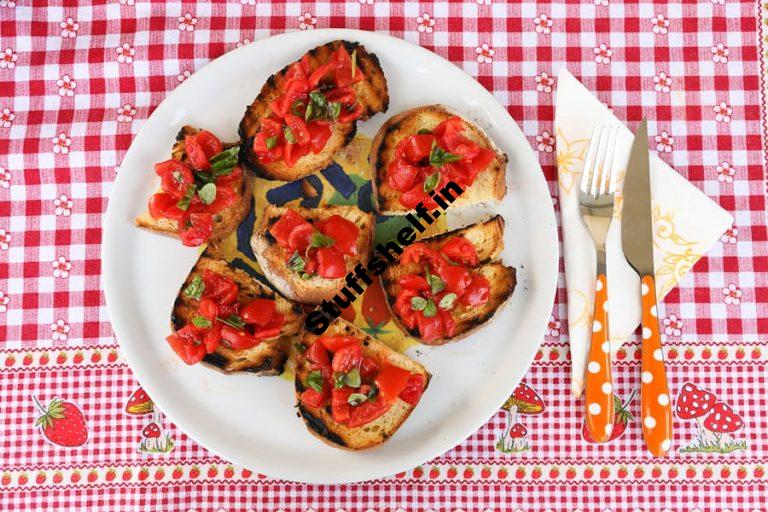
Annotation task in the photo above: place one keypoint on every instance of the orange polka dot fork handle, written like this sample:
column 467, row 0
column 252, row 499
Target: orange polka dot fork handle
column 598, row 393
column 655, row 407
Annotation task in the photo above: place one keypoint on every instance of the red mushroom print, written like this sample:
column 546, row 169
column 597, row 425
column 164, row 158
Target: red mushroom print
column 517, row 433
column 523, row 401
column 139, row 404
column 715, row 420
column 151, row 431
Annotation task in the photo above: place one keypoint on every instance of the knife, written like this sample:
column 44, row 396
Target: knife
column 637, row 242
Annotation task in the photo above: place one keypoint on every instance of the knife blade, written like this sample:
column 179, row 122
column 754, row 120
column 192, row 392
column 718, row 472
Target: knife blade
column 636, row 217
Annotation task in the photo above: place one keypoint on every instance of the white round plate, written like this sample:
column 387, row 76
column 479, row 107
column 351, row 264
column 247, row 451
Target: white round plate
column 252, row 420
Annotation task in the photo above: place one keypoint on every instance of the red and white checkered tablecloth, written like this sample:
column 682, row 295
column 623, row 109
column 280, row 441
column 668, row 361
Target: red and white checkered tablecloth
column 77, row 81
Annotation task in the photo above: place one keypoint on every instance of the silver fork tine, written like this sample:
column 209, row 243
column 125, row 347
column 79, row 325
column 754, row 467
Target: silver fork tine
column 600, row 170
column 589, row 162
column 609, row 180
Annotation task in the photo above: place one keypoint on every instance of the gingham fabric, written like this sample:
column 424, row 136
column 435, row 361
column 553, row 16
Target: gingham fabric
column 76, row 83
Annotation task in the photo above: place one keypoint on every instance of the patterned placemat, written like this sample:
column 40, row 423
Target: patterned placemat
column 78, row 80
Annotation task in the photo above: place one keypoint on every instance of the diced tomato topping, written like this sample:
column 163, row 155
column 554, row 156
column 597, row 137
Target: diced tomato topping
column 319, row 133
column 188, row 344
column 195, row 228
column 211, row 144
column 367, row 412
column 196, row 153
column 411, row 198
column 282, row 229
column 163, row 205
column 411, row 394
column 340, row 408
column 477, row 292
column 237, row 339
column 343, row 232
column 460, row 250
column 317, row 353
column 312, row 398
column 416, row 147
column 300, row 238
column 220, row 289
column 175, row 177
column 334, row 343
column 456, row 278
column 413, row 282
column 418, row 253
column 259, row 311
column 236, row 176
column 391, row 380
column 330, row 263
column 368, row 369
column 318, row 74
column 349, row 114
column 402, row 176
column 225, row 197
column 271, row 329
column 208, row 309
column 449, row 324
column 430, row 328
column 298, row 129
column 403, row 307
column 213, row 337
column 347, row 358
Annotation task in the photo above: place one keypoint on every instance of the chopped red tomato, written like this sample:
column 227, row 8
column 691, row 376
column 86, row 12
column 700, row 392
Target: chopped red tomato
column 196, row 153
column 343, row 67
column 347, row 358
column 225, row 197
column 430, row 328
column 237, row 339
column 411, row 198
column 456, row 278
column 343, row 232
column 317, row 353
column 411, row 394
column 163, row 205
column 477, row 292
column 213, row 337
column 208, row 309
column 236, row 176
column 391, row 380
column 312, row 398
column 368, row 369
column 282, row 229
column 367, row 412
column 402, row 176
column 259, row 311
column 418, row 253
column 188, row 344
column 220, row 289
column 195, row 228
column 175, row 177
column 211, row 144
column 416, row 147
column 340, row 408
column 403, row 307
column 271, row 329
column 319, row 133
column 460, row 250
column 413, row 282
column 334, row 343
column 330, row 263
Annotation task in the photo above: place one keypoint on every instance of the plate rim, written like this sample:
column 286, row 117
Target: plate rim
column 548, row 226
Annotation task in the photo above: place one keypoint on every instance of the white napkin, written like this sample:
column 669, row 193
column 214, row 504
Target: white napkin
column 686, row 224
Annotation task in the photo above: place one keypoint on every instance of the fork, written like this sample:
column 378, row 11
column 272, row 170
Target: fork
column 596, row 205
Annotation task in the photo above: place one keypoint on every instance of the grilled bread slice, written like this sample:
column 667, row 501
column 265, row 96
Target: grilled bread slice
column 226, row 221
column 487, row 237
column 319, row 420
column 372, row 93
column 266, row 358
column 490, row 183
column 272, row 257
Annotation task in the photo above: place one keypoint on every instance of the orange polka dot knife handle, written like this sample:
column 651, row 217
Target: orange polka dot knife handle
column 598, row 394
column 655, row 406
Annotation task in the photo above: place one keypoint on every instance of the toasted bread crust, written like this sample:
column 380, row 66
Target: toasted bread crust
column 490, row 183
column 226, row 221
column 372, row 93
column 266, row 358
column 487, row 238
column 319, row 421
column 271, row 256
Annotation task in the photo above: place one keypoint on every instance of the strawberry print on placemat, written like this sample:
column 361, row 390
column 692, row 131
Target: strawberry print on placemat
column 62, row 423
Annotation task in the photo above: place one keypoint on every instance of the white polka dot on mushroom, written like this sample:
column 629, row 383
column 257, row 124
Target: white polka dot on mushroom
column 594, row 408
column 647, row 377
column 649, row 422
column 593, row 367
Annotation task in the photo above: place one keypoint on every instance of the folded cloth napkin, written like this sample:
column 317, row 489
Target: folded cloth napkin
column 686, row 224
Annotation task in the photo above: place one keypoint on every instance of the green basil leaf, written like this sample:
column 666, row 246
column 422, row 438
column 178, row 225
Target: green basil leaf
column 195, row 288
column 321, row 240
column 296, row 262
column 418, row 303
column 430, row 309
column 309, row 112
column 437, row 285
column 224, row 162
column 207, row 193
column 305, row 276
column 289, row 135
column 357, row 399
column 296, row 107
column 339, row 380
column 203, row 177
column 424, row 131
column 183, row 203
column 271, row 142
column 438, row 156
column 315, row 380
column 431, row 182
column 319, row 99
column 353, row 378
column 233, row 320
column 201, row 322
column 334, row 109
column 448, row 300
